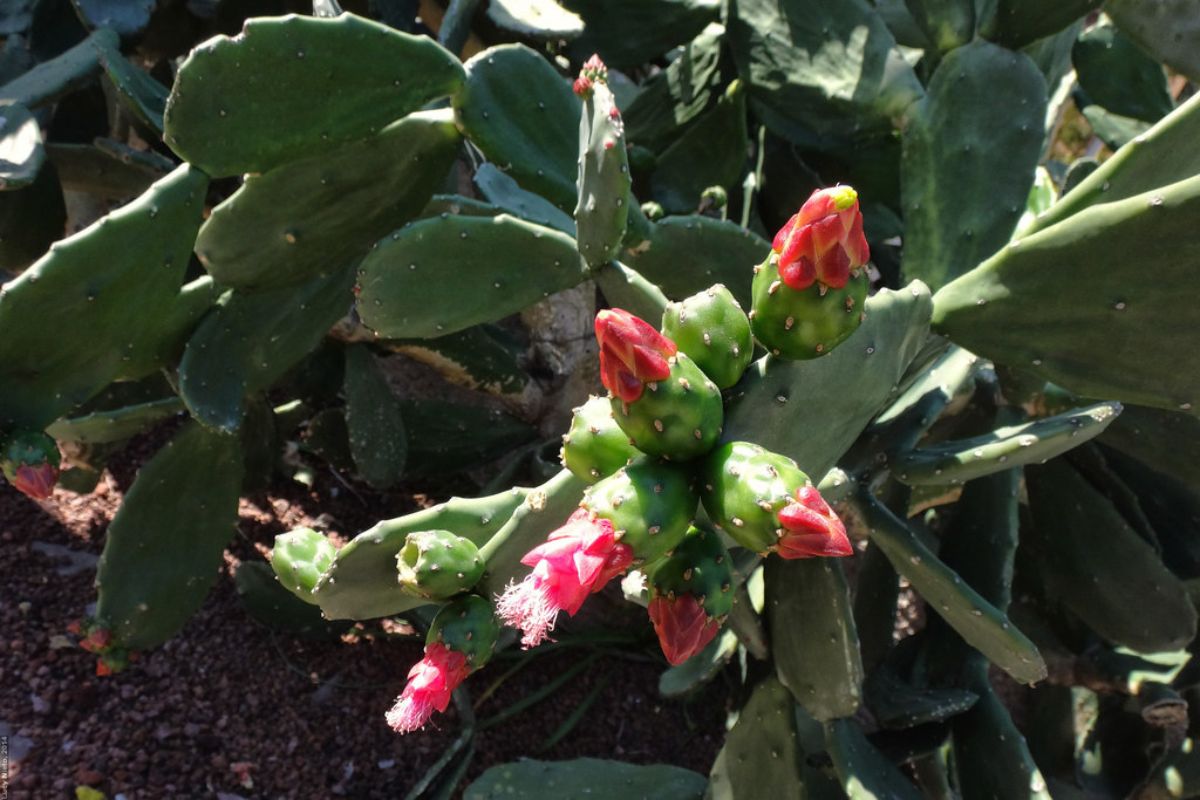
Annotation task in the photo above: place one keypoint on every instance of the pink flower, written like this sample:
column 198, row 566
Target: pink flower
column 576, row 560
column 684, row 628
column 632, row 353
column 811, row 528
column 823, row 241
column 431, row 681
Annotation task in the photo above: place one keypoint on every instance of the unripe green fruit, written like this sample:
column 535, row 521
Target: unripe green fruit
column 595, row 446
column 299, row 558
column 437, row 565
column 804, row 324
column 467, row 625
column 700, row 566
column 679, row 418
column 650, row 504
column 711, row 328
column 744, row 487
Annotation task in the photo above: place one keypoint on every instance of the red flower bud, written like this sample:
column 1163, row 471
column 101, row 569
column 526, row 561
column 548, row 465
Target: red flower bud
column 576, row 560
column 632, row 353
column 431, row 681
column 824, row 241
column 96, row 641
column 582, row 86
column 811, row 528
column 684, row 628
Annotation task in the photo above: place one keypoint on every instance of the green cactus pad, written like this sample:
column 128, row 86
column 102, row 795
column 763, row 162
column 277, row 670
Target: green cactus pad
column 986, row 105
column 813, row 638
column 631, row 32
column 1168, row 30
column 712, row 152
column 89, row 169
column 126, row 17
column 524, row 117
column 960, row 460
column 1040, row 303
column 864, row 771
column 142, row 95
column 776, row 48
column 688, row 254
column 1095, row 582
column 805, row 324
column 538, row 19
column 976, row 620
column 678, row 94
column 711, row 328
column 595, row 446
column 85, row 288
column 500, row 266
column 361, row 581
column 322, row 212
column 701, row 668
column 602, row 210
column 543, row 509
column 1167, row 441
column 436, row 565
column 594, row 778
column 114, row 425
column 678, row 418
column 761, row 757
column 467, row 625
column 442, row 436
column 699, row 565
column 21, row 151
column 1118, row 75
column 61, row 75
column 374, row 421
column 251, row 339
column 299, row 558
column 163, row 548
column 902, row 424
column 31, row 219
column 1159, row 157
column 856, row 379
column 744, row 487
column 626, row 288
column 244, row 104
column 651, row 504
column 507, row 195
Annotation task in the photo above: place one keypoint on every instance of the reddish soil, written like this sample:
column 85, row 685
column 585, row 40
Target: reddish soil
column 232, row 709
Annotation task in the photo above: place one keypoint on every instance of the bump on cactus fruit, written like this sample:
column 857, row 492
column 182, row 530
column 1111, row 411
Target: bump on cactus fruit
column 767, row 504
column 595, row 446
column 299, row 558
column 437, row 564
column 713, row 330
column 577, row 559
column 30, row 462
column 650, row 504
column 632, row 353
column 691, row 594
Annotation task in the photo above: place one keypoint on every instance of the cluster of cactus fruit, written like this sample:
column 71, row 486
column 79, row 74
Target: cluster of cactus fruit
column 982, row 363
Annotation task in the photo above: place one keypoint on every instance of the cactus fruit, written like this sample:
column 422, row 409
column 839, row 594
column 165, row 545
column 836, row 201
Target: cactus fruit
column 575, row 560
column 711, row 328
column 809, row 293
column 595, row 447
column 650, row 505
column 680, row 415
column 437, row 565
column 460, row 640
column 767, row 504
column 30, row 461
column 299, row 558
column 691, row 593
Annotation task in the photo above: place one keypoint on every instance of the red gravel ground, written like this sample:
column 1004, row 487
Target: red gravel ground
column 231, row 709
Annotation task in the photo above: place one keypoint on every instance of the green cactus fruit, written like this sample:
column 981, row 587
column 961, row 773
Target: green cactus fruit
column 678, row 418
column 691, row 593
column 30, row 461
column 651, row 504
column 467, row 625
column 595, row 446
column 437, row 565
column 744, row 488
column 711, row 328
column 299, row 558
column 807, row 323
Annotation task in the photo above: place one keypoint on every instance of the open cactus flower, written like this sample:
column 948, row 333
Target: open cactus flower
column 431, row 681
column 576, row 560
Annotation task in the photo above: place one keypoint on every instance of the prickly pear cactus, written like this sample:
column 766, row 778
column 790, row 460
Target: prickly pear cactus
column 650, row 505
column 595, row 446
column 437, row 565
column 712, row 330
column 299, row 557
column 744, row 487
